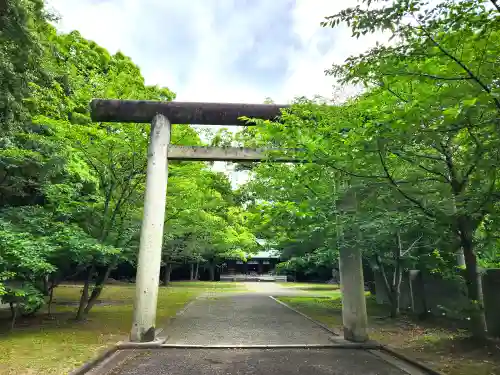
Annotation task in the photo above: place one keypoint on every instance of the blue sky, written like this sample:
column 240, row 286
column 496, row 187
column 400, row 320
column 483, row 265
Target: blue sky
column 221, row 50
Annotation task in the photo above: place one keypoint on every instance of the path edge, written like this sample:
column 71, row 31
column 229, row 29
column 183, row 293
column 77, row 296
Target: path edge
column 124, row 345
column 395, row 353
column 384, row 348
column 94, row 362
column 324, row 326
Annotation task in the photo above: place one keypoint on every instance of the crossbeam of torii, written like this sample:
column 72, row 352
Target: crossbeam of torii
column 161, row 115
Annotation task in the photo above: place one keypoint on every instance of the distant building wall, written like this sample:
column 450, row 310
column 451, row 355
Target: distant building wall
column 260, row 266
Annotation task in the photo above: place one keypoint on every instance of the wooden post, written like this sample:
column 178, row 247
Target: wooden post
column 149, row 260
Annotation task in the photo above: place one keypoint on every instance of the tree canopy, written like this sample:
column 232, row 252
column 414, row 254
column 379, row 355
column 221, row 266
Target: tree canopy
column 71, row 190
column 406, row 169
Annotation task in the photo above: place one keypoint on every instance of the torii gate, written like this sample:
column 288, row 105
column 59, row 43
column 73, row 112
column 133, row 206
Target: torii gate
column 161, row 115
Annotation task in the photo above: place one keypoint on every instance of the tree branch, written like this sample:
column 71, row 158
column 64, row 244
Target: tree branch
column 453, row 179
column 311, row 190
column 351, row 173
column 380, row 265
column 431, row 157
column 462, row 65
column 425, row 75
column 384, row 86
column 404, row 194
column 432, row 171
column 124, row 195
column 479, row 152
column 94, row 167
column 4, row 177
column 411, row 246
column 331, row 165
column 491, row 192
column 495, row 4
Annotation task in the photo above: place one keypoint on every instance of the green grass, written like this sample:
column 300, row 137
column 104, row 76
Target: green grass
column 323, row 309
column 219, row 286
column 438, row 343
column 315, row 289
column 310, row 286
column 40, row 345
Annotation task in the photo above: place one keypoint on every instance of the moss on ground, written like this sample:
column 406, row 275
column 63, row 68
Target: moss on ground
column 438, row 343
column 43, row 345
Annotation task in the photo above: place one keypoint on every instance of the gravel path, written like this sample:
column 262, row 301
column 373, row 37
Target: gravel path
column 247, row 318
column 257, row 362
column 243, row 320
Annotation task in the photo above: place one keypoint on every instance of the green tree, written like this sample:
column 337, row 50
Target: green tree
column 437, row 108
column 21, row 22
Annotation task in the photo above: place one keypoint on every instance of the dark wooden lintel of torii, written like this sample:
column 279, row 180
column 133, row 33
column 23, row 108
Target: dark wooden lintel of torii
column 143, row 111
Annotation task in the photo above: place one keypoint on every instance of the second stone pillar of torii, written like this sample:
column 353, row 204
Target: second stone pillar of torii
column 354, row 315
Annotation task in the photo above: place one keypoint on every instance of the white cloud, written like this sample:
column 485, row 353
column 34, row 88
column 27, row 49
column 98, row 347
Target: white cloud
column 323, row 47
column 219, row 34
column 221, row 50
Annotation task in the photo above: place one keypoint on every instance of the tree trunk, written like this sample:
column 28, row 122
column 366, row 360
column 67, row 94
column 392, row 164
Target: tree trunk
column 168, row 272
column 99, row 286
column 395, row 308
column 461, row 258
column 196, row 272
column 51, row 297
column 421, row 285
column 460, row 253
column 335, row 275
column 12, row 310
column 211, row 269
column 473, row 281
column 410, row 292
column 15, row 312
column 381, row 269
column 393, row 289
column 396, row 280
column 46, row 287
column 191, row 272
column 85, row 295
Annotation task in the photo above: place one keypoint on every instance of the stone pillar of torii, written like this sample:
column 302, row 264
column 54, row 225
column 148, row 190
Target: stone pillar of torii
column 161, row 115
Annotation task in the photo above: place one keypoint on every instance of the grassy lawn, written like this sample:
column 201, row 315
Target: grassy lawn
column 41, row 345
column 438, row 343
column 314, row 289
column 207, row 286
column 310, row 286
